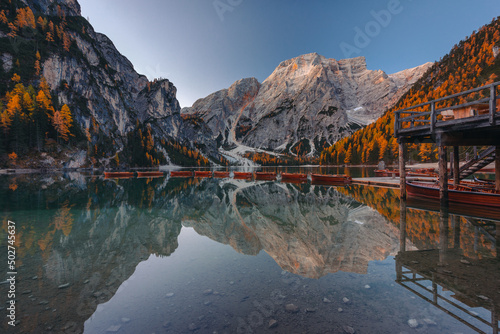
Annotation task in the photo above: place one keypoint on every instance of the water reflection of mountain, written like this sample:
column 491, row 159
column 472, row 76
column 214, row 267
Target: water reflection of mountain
column 78, row 242
column 82, row 237
column 308, row 230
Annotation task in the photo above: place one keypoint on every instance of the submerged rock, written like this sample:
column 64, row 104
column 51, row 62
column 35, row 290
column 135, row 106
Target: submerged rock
column 413, row 323
column 292, row 308
column 349, row 330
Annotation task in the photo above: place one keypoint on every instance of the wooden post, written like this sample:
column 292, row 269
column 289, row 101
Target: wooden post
column 497, row 239
column 456, row 166
column 456, row 230
column 497, row 168
column 402, row 225
column 433, row 116
column 402, row 170
column 443, row 176
column 443, row 236
column 493, row 104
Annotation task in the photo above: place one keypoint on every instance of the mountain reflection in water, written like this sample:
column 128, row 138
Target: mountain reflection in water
column 92, row 233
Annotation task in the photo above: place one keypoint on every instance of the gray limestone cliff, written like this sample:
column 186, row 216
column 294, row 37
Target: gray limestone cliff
column 101, row 86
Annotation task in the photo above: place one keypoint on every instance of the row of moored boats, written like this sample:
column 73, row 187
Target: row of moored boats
column 266, row 176
column 476, row 192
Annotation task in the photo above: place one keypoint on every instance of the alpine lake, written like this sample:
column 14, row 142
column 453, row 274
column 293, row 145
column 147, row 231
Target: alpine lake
column 207, row 255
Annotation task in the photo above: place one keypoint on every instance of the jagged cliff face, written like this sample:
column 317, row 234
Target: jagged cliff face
column 306, row 98
column 221, row 110
column 103, row 85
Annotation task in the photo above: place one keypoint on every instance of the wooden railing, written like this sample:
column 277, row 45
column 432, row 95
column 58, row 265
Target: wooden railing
column 410, row 118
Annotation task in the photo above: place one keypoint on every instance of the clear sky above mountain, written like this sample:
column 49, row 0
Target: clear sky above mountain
column 205, row 45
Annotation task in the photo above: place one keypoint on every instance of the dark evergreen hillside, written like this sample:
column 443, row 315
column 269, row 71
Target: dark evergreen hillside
column 472, row 63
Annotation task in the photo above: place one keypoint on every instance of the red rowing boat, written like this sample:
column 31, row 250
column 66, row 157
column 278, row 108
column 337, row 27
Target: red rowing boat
column 202, row 173
column 181, row 173
column 465, row 194
column 242, row 175
column 150, row 174
column 221, row 174
column 293, row 177
column 322, row 178
column 118, row 175
column 265, row 176
column 386, row 173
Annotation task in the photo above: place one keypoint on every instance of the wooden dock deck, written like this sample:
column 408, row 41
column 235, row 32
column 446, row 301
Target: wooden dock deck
column 448, row 124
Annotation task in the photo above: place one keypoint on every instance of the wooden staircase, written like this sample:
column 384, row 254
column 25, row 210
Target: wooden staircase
column 482, row 160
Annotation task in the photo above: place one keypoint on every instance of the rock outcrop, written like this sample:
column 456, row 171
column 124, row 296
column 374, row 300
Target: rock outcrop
column 101, row 86
column 308, row 98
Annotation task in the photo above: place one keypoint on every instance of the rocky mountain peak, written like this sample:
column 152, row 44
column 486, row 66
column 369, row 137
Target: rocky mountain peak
column 308, row 100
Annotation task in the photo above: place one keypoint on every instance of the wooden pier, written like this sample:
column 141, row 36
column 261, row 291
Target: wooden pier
column 448, row 124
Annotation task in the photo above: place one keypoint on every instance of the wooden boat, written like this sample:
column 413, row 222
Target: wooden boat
column 118, row 175
column 293, row 177
column 242, row 175
column 181, row 173
column 202, row 173
column 472, row 211
column 326, row 179
column 220, row 174
column 422, row 172
column 150, row 174
column 265, row 176
column 386, row 173
column 485, row 182
column 464, row 194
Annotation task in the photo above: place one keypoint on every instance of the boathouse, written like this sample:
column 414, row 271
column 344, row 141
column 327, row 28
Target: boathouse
column 470, row 118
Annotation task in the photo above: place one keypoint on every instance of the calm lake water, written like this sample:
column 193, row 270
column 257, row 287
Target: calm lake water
column 225, row 256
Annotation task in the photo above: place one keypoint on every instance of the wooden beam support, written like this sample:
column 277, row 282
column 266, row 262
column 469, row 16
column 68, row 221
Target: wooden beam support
column 402, row 225
column 443, row 175
column 493, row 104
column 443, row 236
column 456, row 166
column 402, row 170
column 497, row 168
column 473, row 138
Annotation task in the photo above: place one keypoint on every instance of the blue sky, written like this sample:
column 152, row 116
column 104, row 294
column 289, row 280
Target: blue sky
column 205, row 45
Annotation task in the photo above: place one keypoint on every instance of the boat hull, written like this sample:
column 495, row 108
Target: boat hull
column 265, row 176
column 476, row 198
column 221, row 175
column 328, row 179
column 181, row 174
column 150, row 174
column 386, row 173
column 293, row 177
column 118, row 175
column 242, row 175
column 202, row 174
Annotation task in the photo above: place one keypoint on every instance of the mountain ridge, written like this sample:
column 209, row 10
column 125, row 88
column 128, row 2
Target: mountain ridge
column 309, row 100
